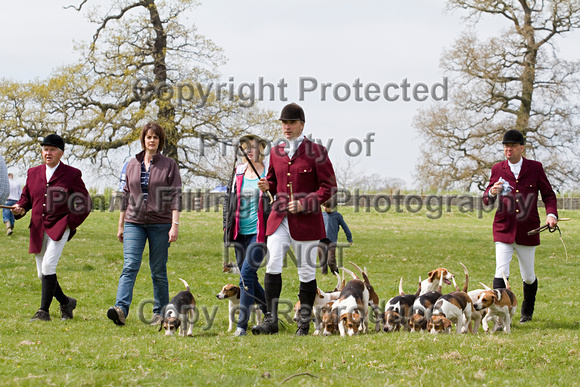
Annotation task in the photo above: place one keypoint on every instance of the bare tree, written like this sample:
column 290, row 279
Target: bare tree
column 142, row 64
column 376, row 183
column 512, row 81
column 346, row 173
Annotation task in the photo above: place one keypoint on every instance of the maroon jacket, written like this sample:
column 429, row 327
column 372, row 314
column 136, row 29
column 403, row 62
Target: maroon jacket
column 517, row 211
column 313, row 182
column 62, row 202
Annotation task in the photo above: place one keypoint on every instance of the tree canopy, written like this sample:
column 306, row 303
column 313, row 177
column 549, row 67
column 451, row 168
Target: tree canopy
column 143, row 64
column 514, row 80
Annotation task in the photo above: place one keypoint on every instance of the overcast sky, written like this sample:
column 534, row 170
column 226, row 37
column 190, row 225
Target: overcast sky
column 377, row 42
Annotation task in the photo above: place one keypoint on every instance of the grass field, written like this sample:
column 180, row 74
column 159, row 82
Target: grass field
column 91, row 350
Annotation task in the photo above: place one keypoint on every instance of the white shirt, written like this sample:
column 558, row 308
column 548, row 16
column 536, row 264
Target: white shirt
column 292, row 145
column 50, row 172
column 516, row 168
column 15, row 190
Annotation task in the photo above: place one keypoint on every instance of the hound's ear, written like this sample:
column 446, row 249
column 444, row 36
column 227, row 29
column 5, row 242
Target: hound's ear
column 431, row 274
column 334, row 317
column 447, row 323
column 161, row 325
column 177, row 323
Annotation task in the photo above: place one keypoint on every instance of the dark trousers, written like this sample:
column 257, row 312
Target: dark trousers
column 327, row 256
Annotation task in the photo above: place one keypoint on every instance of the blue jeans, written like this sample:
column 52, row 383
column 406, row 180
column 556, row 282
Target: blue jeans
column 251, row 290
column 134, row 238
column 7, row 215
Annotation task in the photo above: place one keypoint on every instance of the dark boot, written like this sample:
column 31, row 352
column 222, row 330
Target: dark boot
column 304, row 321
column 499, row 283
column 306, row 295
column 332, row 258
column 41, row 315
column 269, row 326
column 59, row 294
column 49, row 283
column 529, row 302
column 272, row 288
column 66, row 310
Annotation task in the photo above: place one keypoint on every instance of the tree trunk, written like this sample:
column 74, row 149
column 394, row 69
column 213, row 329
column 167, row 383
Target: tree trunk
column 529, row 71
column 166, row 112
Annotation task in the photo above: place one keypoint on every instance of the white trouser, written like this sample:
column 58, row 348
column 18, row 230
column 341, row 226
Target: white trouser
column 48, row 257
column 306, row 253
column 503, row 256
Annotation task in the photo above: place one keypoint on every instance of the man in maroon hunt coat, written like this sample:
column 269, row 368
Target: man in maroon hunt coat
column 516, row 182
column 301, row 176
column 59, row 201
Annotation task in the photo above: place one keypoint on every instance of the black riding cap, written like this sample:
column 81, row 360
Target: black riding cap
column 54, row 140
column 513, row 137
column 292, row 112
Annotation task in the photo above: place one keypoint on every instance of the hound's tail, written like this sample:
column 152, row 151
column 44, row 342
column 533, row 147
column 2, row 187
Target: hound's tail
column 418, row 288
column 185, row 283
column 345, row 270
column 362, row 272
column 507, row 284
column 466, row 277
column 401, row 292
column 339, row 282
column 485, row 286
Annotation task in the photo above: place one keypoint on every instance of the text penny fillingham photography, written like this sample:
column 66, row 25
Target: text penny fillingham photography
column 305, row 193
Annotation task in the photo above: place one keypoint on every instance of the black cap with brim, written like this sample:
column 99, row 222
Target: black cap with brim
column 513, row 136
column 53, row 140
column 292, row 112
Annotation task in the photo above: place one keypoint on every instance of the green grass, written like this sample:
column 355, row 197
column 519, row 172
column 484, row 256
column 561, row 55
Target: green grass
column 90, row 350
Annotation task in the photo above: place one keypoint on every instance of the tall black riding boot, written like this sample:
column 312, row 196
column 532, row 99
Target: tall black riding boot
column 530, row 291
column 272, row 288
column 499, row 283
column 49, row 284
column 306, row 296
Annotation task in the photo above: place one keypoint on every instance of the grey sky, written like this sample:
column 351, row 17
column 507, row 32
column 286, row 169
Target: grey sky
column 331, row 41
